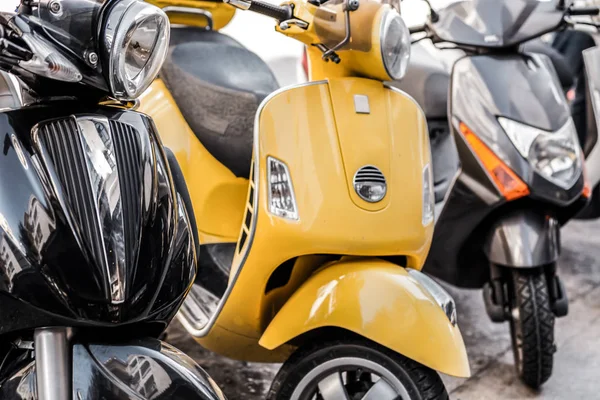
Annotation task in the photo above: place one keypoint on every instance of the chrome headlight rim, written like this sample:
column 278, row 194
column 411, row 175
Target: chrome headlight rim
column 390, row 17
column 121, row 23
column 524, row 137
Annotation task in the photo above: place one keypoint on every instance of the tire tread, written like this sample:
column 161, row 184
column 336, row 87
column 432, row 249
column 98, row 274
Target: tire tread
column 537, row 326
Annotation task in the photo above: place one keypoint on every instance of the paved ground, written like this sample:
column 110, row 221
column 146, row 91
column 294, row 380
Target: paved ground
column 577, row 362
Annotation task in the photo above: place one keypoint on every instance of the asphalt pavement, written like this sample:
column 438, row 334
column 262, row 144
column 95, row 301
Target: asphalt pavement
column 576, row 364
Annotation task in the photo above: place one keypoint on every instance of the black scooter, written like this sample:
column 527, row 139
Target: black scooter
column 97, row 239
column 508, row 167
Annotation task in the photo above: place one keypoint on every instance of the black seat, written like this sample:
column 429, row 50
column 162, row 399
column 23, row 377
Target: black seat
column 218, row 86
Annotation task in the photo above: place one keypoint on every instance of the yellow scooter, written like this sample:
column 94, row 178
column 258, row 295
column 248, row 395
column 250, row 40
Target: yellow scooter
column 314, row 229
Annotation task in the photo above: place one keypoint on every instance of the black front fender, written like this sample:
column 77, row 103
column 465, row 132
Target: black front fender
column 142, row 369
column 523, row 239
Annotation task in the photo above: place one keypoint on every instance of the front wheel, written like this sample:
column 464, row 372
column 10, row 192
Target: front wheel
column 351, row 370
column 531, row 326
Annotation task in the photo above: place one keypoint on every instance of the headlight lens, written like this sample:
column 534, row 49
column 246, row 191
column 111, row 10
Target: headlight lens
column 428, row 197
column 395, row 44
column 136, row 38
column 282, row 201
column 554, row 155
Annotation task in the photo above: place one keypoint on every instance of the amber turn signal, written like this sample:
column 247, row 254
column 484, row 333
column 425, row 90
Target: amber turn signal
column 510, row 185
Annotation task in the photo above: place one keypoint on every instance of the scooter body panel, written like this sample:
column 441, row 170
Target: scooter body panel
column 215, row 192
column 310, row 128
column 380, row 301
column 472, row 223
column 592, row 73
column 523, row 239
column 145, row 368
column 518, row 87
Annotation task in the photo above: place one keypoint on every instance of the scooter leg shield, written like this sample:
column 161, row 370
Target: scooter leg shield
column 524, row 239
column 380, row 301
column 143, row 368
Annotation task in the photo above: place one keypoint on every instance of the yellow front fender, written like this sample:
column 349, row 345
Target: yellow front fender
column 379, row 301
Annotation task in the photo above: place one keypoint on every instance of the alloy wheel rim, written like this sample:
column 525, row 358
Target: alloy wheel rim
column 350, row 378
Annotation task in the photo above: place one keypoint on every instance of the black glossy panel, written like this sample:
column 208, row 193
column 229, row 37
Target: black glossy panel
column 142, row 369
column 494, row 23
column 47, row 262
column 146, row 368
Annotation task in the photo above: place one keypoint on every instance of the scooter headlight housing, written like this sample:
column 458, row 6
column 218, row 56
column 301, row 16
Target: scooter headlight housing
column 554, row 155
column 395, row 44
column 136, row 41
column 282, row 200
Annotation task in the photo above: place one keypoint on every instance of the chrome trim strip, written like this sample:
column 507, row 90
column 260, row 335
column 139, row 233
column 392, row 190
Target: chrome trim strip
column 103, row 171
column 213, row 318
column 439, row 294
column 388, row 85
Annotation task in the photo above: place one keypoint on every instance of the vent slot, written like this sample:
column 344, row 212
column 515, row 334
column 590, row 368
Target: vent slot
column 60, row 139
column 128, row 153
column 62, row 144
column 369, row 174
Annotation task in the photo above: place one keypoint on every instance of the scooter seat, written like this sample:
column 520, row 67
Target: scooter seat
column 218, row 85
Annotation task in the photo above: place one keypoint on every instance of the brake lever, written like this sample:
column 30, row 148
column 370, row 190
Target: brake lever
column 330, row 54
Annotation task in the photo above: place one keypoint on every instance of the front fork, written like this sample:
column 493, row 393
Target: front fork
column 53, row 363
column 496, row 293
column 522, row 239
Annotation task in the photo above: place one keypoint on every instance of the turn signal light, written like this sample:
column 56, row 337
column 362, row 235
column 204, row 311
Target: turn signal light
column 510, row 185
column 587, row 189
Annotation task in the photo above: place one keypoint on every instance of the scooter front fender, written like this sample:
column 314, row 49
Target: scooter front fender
column 524, row 239
column 379, row 301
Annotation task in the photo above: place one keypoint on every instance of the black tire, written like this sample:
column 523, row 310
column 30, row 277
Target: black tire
column 531, row 326
column 420, row 382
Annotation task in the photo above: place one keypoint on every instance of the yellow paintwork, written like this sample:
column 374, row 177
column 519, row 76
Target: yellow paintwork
column 222, row 13
column 310, row 140
column 316, row 131
column 211, row 185
column 360, row 58
column 379, row 301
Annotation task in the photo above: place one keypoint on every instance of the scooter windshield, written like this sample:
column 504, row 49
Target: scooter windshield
column 496, row 23
column 72, row 23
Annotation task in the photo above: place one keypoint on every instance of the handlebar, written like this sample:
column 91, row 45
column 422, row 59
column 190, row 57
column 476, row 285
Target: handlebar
column 280, row 13
column 591, row 11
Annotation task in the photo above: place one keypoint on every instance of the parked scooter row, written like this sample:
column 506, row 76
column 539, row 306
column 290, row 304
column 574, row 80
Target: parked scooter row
column 314, row 205
column 285, row 225
column 508, row 169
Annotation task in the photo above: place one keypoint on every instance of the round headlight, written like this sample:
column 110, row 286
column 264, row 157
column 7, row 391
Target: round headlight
column 395, row 44
column 136, row 41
